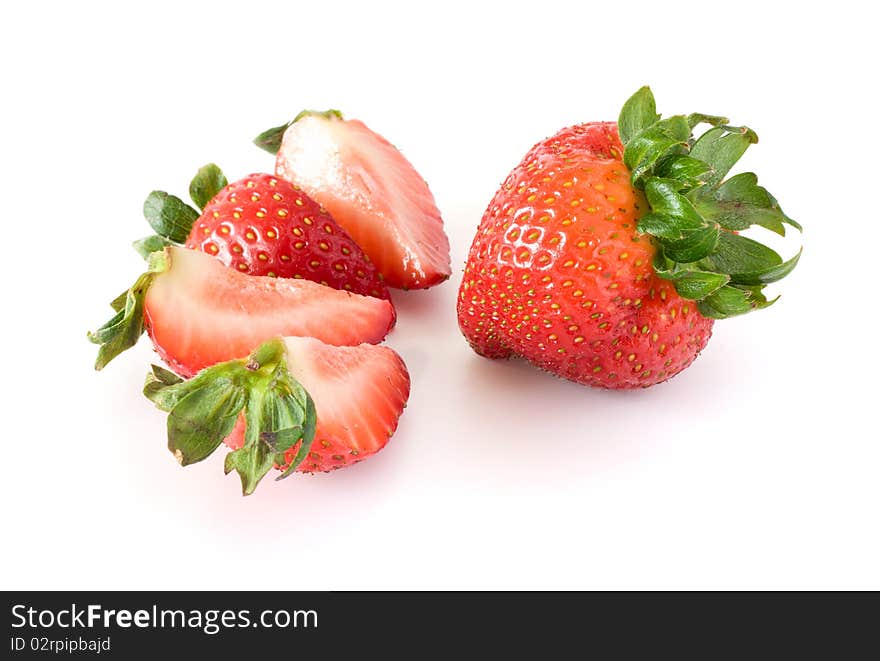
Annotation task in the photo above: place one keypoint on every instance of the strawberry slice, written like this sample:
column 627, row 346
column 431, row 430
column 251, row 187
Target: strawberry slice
column 359, row 394
column 294, row 403
column 199, row 312
column 371, row 190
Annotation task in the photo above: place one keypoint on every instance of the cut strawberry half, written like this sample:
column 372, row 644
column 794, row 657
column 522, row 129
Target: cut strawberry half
column 294, row 403
column 198, row 312
column 359, row 394
column 371, row 190
column 261, row 225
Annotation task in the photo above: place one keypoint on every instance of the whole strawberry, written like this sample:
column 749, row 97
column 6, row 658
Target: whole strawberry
column 610, row 249
column 263, row 225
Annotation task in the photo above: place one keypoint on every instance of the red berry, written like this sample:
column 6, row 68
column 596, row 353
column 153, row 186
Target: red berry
column 559, row 275
column 263, row 225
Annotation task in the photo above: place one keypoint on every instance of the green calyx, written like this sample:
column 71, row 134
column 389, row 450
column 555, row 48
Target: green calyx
column 171, row 218
column 270, row 139
column 127, row 325
column 695, row 212
column 203, row 411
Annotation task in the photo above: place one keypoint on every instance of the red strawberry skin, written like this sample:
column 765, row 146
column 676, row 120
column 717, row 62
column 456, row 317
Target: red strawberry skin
column 373, row 191
column 263, row 225
column 557, row 273
column 359, row 393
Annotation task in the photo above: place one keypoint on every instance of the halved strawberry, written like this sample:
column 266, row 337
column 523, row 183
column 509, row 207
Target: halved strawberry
column 261, row 225
column 359, row 394
column 198, row 312
column 294, row 403
column 371, row 190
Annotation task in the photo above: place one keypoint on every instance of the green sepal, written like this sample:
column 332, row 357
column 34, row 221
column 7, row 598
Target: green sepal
column 740, row 254
column 169, row 216
column 696, row 118
column 150, row 244
column 127, row 325
column 200, row 421
column 769, row 274
column 156, row 387
column 308, row 432
column 118, row 303
column 720, row 148
column 690, row 283
column 693, row 246
column 270, row 139
column 685, row 235
column 694, row 214
column 252, row 463
column 203, row 411
column 638, row 113
column 749, row 262
column 207, row 182
column 665, row 137
column 664, row 198
column 687, row 171
column 731, row 301
column 739, row 203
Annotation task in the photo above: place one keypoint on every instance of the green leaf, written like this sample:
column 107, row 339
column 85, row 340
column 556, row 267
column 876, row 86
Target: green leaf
column 740, row 254
column 200, row 421
column 660, row 226
column 150, row 244
column 699, row 118
column 689, row 283
column 739, row 203
column 308, row 434
column 687, row 171
column 695, row 245
column 648, row 146
column 696, row 285
column 730, row 301
column 118, row 303
column 721, row 149
column 270, row 139
column 281, row 411
column 251, row 462
column 278, row 411
column 158, row 387
column 282, row 440
column 768, row 274
column 169, row 216
column 637, row 114
column 127, row 325
column 664, row 198
column 693, row 214
column 209, row 181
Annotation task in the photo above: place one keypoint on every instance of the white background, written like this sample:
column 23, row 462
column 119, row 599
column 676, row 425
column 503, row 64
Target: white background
column 759, row 467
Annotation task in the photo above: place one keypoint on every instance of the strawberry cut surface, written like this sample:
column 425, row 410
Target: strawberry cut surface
column 263, row 225
column 199, row 312
column 359, row 394
column 372, row 191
